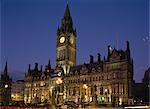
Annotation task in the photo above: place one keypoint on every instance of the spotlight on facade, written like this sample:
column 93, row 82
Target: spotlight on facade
column 106, row 90
column 59, row 81
column 85, row 86
column 6, row 86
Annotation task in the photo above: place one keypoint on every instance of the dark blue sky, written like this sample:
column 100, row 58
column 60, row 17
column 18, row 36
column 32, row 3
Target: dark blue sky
column 28, row 31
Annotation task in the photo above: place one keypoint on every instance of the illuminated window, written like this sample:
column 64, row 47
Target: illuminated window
column 35, row 84
column 74, row 91
column 114, row 65
column 101, row 99
column 114, row 75
column 42, row 83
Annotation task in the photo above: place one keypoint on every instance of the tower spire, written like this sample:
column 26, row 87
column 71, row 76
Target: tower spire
column 66, row 23
column 66, row 35
column 67, row 2
column 67, row 12
column 49, row 64
column 5, row 70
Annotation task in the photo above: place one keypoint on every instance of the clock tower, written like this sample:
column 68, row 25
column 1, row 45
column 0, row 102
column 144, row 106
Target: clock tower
column 66, row 43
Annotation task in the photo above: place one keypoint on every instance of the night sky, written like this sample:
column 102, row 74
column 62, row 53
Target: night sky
column 28, row 31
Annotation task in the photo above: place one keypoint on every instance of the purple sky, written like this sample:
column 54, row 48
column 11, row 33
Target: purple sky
column 28, row 31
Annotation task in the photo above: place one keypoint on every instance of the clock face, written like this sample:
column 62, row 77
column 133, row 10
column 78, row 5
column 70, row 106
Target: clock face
column 62, row 39
column 71, row 40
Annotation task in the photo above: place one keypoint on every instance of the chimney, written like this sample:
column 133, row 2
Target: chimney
column 128, row 48
column 29, row 68
column 5, row 70
column 91, row 59
column 36, row 66
column 128, row 51
column 99, row 58
column 41, row 68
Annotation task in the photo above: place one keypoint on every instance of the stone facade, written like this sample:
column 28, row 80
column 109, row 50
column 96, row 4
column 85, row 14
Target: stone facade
column 146, row 84
column 110, row 79
column 17, row 91
column 106, row 81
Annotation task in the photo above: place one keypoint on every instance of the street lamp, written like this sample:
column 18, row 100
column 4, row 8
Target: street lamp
column 51, row 91
column 59, row 81
column 85, row 87
column 106, row 94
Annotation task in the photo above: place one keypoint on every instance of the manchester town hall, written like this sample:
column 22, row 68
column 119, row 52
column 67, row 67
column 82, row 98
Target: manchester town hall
column 101, row 81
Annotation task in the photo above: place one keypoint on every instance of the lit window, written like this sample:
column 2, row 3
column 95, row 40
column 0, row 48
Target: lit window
column 114, row 65
column 42, row 83
column 35, row 84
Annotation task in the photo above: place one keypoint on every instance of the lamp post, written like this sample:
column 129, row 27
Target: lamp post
column 106, row 95
column 51, row 94
column 82, row 89
column 86, row 90
column 58, row 82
